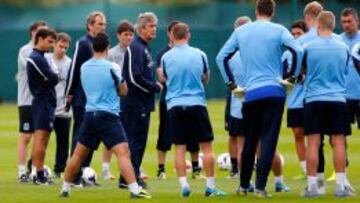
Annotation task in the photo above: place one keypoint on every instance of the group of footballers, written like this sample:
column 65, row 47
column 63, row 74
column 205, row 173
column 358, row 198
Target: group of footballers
column 111, row 93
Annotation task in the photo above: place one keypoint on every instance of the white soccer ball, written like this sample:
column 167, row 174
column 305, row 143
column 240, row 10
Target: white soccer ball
column 224, row 162
column 89, row 176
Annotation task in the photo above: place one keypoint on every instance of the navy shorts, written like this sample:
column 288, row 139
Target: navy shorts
column 25, row 119
column 164, row 141
column 353, row 107
column 295, row 118
column 325, row 117
column 236, row 127
column 101, row 126
column 227, row 110
column 43, row 112
column 189, row 124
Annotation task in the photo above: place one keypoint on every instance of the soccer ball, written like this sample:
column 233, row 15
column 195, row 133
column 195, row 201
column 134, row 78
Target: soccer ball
column 89, row 176
column 224, row 162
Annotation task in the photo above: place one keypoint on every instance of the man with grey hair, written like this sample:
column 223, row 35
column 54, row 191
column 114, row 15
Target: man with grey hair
column 138, row 71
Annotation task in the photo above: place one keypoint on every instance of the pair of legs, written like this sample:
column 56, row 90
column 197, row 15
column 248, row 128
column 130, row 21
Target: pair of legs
column 121, row 152
column 26, row 133
column 62, row 129
column 300, row 146
column 325, row 117
column 41, row 140
column 22, row 148
column 262, row 125
column 180, row 163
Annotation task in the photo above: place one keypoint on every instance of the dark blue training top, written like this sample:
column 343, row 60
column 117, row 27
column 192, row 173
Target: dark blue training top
column 138, row 72
column 83, row 52
column 158, row 64
column 41, row 78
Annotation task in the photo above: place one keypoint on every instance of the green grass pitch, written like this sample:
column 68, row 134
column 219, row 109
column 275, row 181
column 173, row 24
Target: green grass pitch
column 168, row 190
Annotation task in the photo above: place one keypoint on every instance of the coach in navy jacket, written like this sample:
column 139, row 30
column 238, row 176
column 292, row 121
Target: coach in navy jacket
column 138, row 72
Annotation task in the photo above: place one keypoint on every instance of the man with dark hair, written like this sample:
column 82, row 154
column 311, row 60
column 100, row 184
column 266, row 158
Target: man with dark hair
column 164, row 139
column 351, row 36
column 42, row 81
column 298, row 28
column 260, row 44
column 101, row 120
column 139, row 102
column 295, row 118
column 188, row 119
column 326, row 63
column 60, row 63
column 124, row 34
column 95, row 24
column 26, row 127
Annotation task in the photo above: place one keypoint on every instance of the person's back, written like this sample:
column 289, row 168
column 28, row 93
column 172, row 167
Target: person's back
column 261, row 49
column 184, row 67
column 328, row 59
column 99, row 84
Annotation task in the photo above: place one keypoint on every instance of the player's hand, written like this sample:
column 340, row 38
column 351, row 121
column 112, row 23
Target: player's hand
column 68, row 103
column 288, row 84
column 239, row 92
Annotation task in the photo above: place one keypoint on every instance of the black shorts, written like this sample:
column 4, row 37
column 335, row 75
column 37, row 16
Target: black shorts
column 324, row 117
column 26, row 124
column 236, row 127
column 43, row 114
column 353, row 107
column 164, row 139
column 227, row 110
column 295, row 118
column 101, row 126
column 189, row 124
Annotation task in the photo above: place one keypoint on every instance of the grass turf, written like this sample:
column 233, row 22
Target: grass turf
column 168, row 190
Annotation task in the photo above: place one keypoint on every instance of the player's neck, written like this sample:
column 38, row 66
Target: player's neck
column 263, row 17
column 325, row 33
column 100, row 55
column 180, row 42
column 352, row 33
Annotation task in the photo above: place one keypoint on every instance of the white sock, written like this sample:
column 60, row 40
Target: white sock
column 321, row 176
column 134, row 188
column 33, row 169
column 105, row 166
column 278, row 179
column 312, row 180
column 183, row 182
column 303, row 166
column 66, row 187
column 22, row 169
column 210, row 182
column 340, row 178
